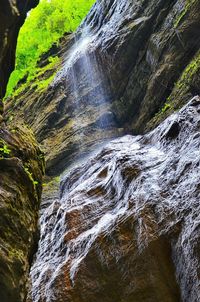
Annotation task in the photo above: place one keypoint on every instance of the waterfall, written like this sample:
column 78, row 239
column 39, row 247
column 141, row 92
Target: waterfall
column 129, row 196
column 88, row 86
column 124, row 224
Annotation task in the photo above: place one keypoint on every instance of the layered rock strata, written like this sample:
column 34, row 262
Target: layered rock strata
column 21, row 169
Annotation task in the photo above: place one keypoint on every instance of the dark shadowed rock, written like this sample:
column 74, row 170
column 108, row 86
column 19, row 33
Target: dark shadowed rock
column 126, row 225
column 21, row 166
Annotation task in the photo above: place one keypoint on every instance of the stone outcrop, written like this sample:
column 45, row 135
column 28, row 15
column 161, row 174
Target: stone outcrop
column 126, row 225
column 145, row 66
column 21, row 166
column 21, row 169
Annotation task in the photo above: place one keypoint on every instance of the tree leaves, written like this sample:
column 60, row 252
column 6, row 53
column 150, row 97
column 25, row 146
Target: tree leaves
column 44, row 26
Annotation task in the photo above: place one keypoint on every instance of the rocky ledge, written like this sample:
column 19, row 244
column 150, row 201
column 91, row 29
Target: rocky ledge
column 126, row 225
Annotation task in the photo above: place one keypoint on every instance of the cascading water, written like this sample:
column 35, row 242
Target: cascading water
column 124, row 228
column 119, row 220
column 89, row 87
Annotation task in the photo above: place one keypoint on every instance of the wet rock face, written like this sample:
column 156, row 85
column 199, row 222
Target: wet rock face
column 122, row 64
column 126, row 225
column 146, row 46
column 12, row 16
column 21, row 166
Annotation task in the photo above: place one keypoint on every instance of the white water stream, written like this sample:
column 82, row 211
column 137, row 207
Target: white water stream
column 87, row 83
column 129, row 177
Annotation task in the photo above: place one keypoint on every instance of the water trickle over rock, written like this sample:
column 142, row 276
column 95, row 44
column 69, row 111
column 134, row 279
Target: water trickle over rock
column 126, row 225
column 138, row 50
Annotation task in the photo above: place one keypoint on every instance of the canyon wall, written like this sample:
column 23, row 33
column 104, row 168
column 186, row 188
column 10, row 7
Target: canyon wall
column 145, row 65
column 21, row 166
column 125, row 224
column 21, row 169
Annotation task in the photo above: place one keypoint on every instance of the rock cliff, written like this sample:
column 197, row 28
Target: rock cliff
column 131, row 64
column 21, row 168
column 126, row 225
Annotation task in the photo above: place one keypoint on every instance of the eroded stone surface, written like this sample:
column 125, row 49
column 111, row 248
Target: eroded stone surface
column 21, row 166
column 126, row 225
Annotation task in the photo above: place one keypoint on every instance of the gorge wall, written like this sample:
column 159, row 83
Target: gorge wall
column 145, row 58
column 21, row 168
column 124, row 226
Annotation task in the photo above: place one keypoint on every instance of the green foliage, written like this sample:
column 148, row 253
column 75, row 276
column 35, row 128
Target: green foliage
column 187, row 6
column 27, row 170
column 44, row 26
column 38, row 73
column 181, row 91
column 166, row 107
column 191, row 69
column 182, row 86
column 4, row 150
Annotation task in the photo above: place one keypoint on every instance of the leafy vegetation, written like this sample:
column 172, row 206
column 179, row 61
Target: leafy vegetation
column 165, row 107
column 43, row 27
column 183, row 13
column 183, row 90
column 4, row 150
column 192, row 69
column 30, row 175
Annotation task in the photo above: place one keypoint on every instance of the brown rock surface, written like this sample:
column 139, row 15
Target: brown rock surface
column 126, row 225
column 21, row 166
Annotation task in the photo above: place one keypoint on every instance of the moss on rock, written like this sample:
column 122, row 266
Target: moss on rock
column 20, row 201
column 185, row 88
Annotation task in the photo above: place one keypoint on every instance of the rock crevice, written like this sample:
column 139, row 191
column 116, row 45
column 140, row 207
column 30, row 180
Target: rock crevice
column 21, row 169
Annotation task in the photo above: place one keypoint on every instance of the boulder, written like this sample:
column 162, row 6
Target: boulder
column 126, row 224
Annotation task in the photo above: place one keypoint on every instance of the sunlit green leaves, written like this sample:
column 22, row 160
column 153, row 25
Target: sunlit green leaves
column 44, row 26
